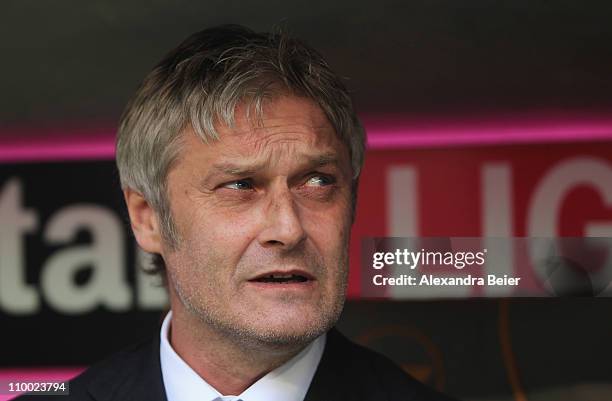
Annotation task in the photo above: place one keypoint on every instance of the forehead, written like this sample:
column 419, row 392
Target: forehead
column 287, row 125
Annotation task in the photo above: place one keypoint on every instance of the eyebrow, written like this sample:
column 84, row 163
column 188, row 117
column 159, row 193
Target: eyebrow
column 243, row 169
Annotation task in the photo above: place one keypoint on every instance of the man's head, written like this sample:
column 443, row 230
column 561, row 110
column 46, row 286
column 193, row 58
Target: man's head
column 239, row 156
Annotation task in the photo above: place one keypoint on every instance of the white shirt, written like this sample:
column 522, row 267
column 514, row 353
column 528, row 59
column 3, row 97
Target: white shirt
column 288, row 382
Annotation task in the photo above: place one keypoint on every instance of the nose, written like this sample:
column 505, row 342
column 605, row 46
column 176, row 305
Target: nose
column 283, row 225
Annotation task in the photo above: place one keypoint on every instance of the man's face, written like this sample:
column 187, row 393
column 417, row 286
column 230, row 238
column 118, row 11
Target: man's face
column 263, row 216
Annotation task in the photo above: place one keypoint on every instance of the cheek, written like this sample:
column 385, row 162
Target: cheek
column 330, row 236
column 330, row 226
column 221, row 234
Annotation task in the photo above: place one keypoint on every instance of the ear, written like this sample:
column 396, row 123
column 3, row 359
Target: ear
column 144, row 221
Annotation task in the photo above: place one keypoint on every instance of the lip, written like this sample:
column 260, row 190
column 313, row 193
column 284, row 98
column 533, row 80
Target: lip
column 295, row 287
column 296, row 272
column 275, row 288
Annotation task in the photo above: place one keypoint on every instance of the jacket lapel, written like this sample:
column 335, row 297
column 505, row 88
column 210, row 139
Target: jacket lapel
column 330, row 380
column 134, row 375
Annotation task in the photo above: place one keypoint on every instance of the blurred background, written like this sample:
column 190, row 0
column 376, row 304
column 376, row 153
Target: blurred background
column 485, row 119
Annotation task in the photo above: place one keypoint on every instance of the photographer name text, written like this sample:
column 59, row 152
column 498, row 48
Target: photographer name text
column 410, row 260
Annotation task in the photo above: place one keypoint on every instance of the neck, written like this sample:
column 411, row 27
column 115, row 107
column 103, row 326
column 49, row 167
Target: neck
column 226, row 363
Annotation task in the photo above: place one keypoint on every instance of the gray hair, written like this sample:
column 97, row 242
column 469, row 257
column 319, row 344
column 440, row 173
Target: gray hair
column 200, row 83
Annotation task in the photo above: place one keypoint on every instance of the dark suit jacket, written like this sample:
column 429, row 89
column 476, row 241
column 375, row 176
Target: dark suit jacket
column 347, row 372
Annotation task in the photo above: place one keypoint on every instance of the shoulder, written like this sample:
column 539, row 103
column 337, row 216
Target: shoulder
column 369, row 375
column 119, row 376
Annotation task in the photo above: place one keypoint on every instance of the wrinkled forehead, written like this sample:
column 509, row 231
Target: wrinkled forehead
column 291, row 135
column 285, row 126
column 285, row 149
column 281, row 137
column 281, row 116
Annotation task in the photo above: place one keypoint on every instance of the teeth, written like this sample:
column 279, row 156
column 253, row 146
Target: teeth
column 282, row 278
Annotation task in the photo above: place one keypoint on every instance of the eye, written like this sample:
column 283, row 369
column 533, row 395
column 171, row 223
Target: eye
column 242, row 185
column 319, row 180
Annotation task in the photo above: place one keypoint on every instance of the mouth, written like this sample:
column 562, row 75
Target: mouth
column 292, row 277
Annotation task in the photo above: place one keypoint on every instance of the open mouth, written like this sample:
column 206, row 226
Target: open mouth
column 282, row 278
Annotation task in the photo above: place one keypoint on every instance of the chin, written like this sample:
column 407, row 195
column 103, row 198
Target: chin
column 296, row 328
column 288, row 336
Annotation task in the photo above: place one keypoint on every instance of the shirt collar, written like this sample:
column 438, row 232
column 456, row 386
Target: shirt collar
column 288, row 382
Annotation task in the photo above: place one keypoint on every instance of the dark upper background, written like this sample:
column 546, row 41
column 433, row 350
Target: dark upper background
column 70, row 62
